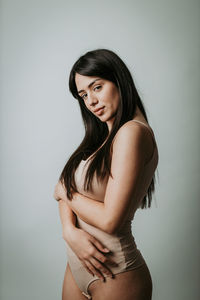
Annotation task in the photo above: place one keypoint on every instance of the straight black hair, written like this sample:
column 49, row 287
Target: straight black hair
column 107, row 65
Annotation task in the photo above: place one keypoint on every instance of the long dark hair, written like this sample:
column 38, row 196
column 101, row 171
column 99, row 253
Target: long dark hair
column 108, row 65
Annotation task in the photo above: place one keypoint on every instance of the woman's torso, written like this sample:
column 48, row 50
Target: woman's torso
column 99, row 187
column 122, row 243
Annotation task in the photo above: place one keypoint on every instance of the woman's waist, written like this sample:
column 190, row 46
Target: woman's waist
column 123, row 252
column 124, row 230
column 123, row 239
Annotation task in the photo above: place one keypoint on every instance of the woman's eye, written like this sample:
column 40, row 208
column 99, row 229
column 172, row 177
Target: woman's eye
column 83, row 96
column 97, row 87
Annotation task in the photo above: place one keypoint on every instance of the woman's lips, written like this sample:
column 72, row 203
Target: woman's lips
column 100, row 111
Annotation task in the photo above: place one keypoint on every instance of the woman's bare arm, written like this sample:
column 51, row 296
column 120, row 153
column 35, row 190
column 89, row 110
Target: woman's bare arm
column 128, row 159
column 90, row 252
column 67, row 218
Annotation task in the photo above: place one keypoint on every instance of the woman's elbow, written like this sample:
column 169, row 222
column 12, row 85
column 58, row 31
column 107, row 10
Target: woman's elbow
column 110, row 227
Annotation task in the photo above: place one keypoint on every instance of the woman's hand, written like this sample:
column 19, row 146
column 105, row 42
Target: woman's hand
column 89, row 252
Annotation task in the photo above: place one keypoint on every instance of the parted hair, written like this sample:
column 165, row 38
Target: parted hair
column 107, row 65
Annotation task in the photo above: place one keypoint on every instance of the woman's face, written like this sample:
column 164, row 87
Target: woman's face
column 100, row 96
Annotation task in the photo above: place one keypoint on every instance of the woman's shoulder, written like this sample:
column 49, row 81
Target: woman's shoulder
column 127, row 129
column 133, row 134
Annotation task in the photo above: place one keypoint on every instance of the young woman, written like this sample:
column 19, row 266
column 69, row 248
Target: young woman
column 109, row 176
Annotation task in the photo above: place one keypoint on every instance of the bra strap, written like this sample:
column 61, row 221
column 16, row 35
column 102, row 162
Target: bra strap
column 146, row 127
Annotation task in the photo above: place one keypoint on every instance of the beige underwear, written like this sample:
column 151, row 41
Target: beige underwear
column 123, row 251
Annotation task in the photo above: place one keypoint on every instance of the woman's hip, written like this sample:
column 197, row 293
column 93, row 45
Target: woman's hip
column 127, row 285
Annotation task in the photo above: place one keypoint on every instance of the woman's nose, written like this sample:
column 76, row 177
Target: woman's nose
column 92, row 100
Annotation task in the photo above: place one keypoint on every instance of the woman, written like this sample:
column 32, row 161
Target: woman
column 104, row 182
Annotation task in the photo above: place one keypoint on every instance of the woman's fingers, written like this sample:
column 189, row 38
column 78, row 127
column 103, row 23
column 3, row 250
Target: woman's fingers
column 100, row 256
column 87, row 267
column 99, row 246
column 100, row 267
column 93, row 270
column 105, row 260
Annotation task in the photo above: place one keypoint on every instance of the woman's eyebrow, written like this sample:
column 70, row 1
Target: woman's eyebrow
column 91, row 83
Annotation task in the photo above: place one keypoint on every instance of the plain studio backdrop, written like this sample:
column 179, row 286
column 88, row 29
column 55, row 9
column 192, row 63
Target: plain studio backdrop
column 41, row 126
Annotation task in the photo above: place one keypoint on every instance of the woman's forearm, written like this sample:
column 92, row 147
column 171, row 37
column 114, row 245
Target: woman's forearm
column 67, row 217
column 90, row 211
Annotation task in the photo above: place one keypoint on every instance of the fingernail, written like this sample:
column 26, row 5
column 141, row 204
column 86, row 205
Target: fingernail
column 105, row 249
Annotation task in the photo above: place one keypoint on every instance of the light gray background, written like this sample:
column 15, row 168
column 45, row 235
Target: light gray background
column 41, row 126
